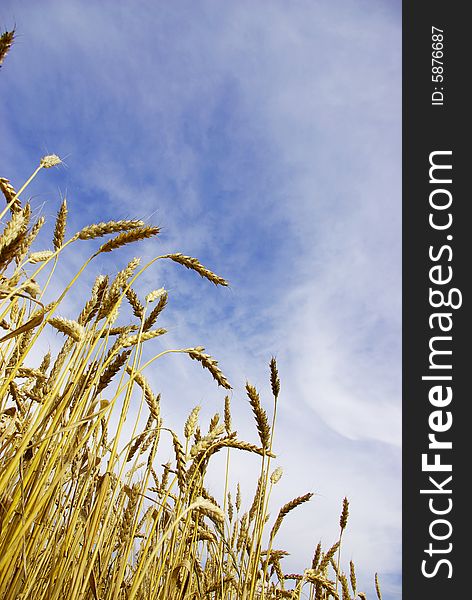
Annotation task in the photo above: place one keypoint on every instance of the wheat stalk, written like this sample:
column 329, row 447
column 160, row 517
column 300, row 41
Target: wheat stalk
column 208, row 362
column 10, row 195
column 40, row 256
column 96, row 230
column 60, row 226
column 260, row 415
column 286, row 508
column 156, row 311
column 151, row 400
column 352, row 573
column 132, row 340
column 6, row 41
column 377, row 587
column 191, row 422
column 68, row 327
column 128, row 237
column 49, row 161
column 138, row 308
column 195, row 265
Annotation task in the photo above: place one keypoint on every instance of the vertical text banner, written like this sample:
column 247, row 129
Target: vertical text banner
column 437, row 242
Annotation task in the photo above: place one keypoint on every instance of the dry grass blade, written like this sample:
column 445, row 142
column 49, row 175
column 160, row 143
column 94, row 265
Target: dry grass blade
column 195, row 265
column 136, row 234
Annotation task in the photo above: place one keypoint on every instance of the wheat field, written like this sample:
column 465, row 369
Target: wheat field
column 88, row 511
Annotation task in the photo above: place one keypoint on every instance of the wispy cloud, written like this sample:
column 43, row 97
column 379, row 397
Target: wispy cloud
column 265, row 139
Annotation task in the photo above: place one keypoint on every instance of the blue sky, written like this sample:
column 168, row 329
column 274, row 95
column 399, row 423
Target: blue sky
column 265, row 139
